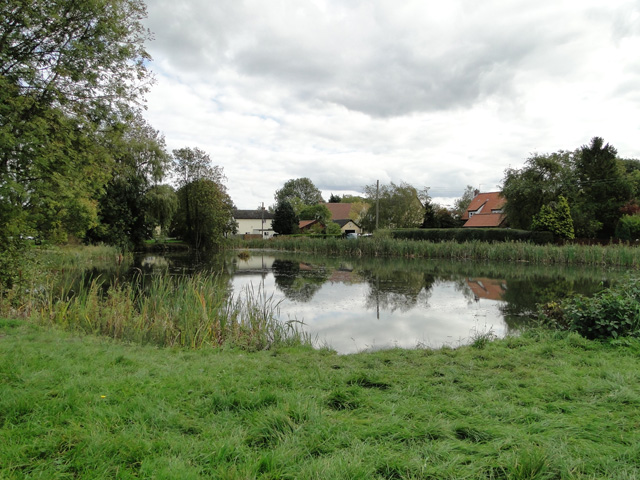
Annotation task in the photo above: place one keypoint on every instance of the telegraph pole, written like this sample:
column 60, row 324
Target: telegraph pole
column 377, row 202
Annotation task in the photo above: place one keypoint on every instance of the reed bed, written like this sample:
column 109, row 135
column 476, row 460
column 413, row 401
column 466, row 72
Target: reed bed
column 597, row 255
column 193, row 312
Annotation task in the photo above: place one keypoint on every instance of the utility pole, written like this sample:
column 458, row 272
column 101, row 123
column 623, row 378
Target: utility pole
column 377, row 202
column 262, row 212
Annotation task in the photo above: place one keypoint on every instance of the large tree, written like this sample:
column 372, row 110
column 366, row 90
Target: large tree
column 541, row 181
column 604, row 188
column 205, row 210
column 299, row 192
column 140, row 160
column 399, row 206
column 285, row 220
column 66, row 68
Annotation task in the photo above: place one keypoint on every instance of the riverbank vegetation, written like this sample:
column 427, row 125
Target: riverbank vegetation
column 539, row 406
column 383, row 246
column 190, row 311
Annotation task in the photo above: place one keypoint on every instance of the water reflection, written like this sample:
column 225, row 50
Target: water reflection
column 359, row 304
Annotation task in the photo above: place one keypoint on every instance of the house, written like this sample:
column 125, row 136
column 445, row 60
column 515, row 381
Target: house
column 340, row 214
column 308, row 225
column 485, row 211
column 254, row 222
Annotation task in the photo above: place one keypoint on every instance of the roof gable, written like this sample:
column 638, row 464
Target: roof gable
column 486, row 202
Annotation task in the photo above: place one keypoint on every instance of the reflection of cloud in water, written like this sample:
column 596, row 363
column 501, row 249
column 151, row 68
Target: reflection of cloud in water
column 341, row 316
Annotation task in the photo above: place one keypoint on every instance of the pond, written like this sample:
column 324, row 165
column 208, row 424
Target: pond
column 357, row 304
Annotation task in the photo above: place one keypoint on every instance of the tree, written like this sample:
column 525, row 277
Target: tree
column 400, row 206
column 316, row 212
column 555, row 217
column 162, row 203
column 285, row 221
column 461, row 205
column 66, row 68
column 540, row 181
column 437, row 216
column 299, row 192
column 140, row 159
column 334, row 198
column 604, row 187
column 205, row 210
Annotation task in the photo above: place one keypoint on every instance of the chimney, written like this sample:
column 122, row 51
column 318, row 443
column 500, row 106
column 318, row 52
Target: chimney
column 476, row 192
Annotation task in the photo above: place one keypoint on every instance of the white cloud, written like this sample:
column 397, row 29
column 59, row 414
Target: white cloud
column 435, row 94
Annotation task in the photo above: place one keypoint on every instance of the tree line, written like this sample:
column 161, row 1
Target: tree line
column 77, row 158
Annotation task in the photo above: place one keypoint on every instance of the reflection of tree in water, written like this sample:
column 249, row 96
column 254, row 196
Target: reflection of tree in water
column 298, row 281
column 523, row 295
column 393, row 290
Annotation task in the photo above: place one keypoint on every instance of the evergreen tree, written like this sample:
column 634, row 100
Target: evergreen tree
column 285, row 220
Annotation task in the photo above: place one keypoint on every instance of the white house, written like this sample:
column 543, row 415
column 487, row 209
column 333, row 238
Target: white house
column 254, row 222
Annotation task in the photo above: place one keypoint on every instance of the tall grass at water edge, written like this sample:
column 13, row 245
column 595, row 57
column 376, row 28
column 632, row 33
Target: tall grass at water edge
column 611, row 255
column 189, row 312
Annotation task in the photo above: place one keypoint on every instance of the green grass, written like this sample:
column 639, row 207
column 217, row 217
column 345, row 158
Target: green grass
column 594, row 255
column 539, row 406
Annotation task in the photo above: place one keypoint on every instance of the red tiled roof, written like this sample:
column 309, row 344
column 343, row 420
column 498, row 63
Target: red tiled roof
column 488, row 201
column 485, row 220
column 339, row 211
column 306, row 223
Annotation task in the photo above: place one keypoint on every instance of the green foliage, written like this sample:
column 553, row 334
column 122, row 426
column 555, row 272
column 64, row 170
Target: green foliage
column 333, row 229
column 628, row 228
column 555, row 217
column 285, row 221
column 205, row 210
column 437, row 216
column 318, row 212
column 604, row 186
column 594, row 182
column 399, row 206
column 542, row 180
column 204, row 215
column 461, row 204
column 299, row 192
column 67, row 69
column 473, row 234
column 614, row 312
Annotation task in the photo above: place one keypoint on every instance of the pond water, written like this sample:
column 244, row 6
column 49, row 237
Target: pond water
column 351, row 304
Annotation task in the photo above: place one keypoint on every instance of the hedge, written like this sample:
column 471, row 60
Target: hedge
column 469, row 234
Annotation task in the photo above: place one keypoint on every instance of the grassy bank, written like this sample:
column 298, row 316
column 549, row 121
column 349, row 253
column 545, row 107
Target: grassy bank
column 541, row 406
column 596, row 255
column 187, row 311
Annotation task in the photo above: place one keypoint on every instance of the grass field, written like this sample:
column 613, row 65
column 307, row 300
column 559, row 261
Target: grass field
column 539, row 406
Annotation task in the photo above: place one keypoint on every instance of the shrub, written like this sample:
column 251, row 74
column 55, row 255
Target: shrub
column 612, row 313
column 628, row 228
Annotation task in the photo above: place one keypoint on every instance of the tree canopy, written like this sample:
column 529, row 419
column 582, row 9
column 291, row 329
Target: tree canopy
column 299, row 192
column 595, row 184
column 205, row 210
column 285, row 220
column 399, row 206
column 68, row 72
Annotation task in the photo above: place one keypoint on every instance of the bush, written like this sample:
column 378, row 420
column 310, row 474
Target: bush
column 628, row 228
column 612, row 313
column 470, row 234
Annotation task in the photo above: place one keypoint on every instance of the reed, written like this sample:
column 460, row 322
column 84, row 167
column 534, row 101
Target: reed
column 596, row 255
column 193, row 312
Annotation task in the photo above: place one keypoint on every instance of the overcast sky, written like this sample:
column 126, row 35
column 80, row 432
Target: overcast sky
column 439, row 94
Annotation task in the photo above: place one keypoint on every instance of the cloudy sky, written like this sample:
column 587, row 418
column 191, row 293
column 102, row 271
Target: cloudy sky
column 439, row 94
